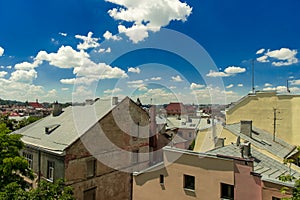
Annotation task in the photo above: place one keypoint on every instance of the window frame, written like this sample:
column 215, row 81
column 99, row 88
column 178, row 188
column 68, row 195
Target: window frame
column 228, row 188
column 94, row 193
column 27, row 156
column 50, row 170
column 91, row 166
column 189, row 182
column 161, row 179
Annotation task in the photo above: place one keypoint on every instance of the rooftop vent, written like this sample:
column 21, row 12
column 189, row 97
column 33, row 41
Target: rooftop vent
column 49, row 129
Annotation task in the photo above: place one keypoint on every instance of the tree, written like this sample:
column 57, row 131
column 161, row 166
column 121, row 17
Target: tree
column 295, row 191
column 45, row 191
column 13, row 167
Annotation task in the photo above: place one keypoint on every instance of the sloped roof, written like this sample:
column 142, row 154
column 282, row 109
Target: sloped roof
column 267, row 167
column 264, row 140
column 175, row 108
column 65, row 128
column 36, row 105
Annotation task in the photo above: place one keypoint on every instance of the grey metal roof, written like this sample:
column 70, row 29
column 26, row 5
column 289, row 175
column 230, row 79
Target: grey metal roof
column 66, row 128
column 267, row 167
column 264, row 140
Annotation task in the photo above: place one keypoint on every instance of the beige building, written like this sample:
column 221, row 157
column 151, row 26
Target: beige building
column 219, row 174
column 94, row 147
column 275, row 113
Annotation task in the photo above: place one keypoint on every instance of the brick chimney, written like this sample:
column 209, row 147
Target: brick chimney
column 246, row 127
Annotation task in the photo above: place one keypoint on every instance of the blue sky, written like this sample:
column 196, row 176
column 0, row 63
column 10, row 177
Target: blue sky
column 158, row 50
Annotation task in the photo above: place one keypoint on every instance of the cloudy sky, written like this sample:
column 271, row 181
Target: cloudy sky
column 158, row 50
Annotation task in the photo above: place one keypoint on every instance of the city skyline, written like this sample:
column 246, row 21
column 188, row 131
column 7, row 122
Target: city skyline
column 57, row 50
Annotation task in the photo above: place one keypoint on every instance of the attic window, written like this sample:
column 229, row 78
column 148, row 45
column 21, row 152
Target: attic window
column 51, row 128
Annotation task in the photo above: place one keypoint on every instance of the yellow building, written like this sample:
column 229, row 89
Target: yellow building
column 277, row 114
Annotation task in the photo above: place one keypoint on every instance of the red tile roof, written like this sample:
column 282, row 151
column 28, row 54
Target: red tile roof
column 35, row 105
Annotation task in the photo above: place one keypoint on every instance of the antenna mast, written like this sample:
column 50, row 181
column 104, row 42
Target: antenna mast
column 253, row 88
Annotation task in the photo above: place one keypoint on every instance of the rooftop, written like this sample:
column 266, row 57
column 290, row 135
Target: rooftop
column 268, row 168
column 264, row 140
column 54, row 134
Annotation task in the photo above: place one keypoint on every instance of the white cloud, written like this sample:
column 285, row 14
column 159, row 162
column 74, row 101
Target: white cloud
column 216, row 74
column 134, row 70
column 67, row 57
column 268, row 85
column 195, row 86
column 64, row 89
column 109, row 36
column 2, row 74
column 147, row 16
column 63, row 34
column 229, row 86
column 27, row 65
column 136, row 82
column 88, row 41
column 68, row 81
column 281, row 57
column 234, row 70
column 278, row 88
column 115, row 90
column 24, row 76
column 240, row 85
column 229, row 71
column 260, row 51
column 9, row 67
column 155, row 78
column 263, row 59
column 108, row 50
column 295, row 82
column 176, row 78
column 1, row 51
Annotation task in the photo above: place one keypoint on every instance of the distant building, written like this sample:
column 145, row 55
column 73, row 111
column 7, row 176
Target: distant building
column 74, row 144
column 219, row 174
column 275, row 113
column 175, row 109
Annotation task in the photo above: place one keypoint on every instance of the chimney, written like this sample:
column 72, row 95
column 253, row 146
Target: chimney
column 57, row 109
column 220, row 142
column 246, row 150
column 115, row 101
column 246, row 127
column 89, row 102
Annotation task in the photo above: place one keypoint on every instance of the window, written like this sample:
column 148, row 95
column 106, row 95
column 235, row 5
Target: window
column 91, row 168
column 29, row 158
column 50, row 170
column 135, row 156
column 189, row 182
column 161, row 179
column 89, row 194
column 190, row 134
column 227, row 191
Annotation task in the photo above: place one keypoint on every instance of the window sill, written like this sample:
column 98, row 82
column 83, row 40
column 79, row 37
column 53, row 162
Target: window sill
column 189, row 190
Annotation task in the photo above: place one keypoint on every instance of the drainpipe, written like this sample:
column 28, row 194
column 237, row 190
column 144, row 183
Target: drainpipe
column 39, row 165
